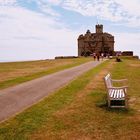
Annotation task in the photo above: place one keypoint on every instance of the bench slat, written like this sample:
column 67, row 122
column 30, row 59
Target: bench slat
column 112, row 93
column 118, row 93
column 122, row 93
column 115, row 94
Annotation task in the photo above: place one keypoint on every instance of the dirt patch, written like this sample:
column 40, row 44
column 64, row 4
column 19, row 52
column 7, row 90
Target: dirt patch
column 133, row 103
column 132, row 100
column 134, row 65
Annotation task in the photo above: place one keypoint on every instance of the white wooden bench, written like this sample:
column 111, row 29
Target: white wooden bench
column 117, row 96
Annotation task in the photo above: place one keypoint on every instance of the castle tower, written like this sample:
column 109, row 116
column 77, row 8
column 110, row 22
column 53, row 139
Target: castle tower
column 99, row 42
column 99, row 28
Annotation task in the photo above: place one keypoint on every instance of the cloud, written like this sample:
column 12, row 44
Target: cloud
column 30, row 33
column 127, row 42
column 46, row 8
column 122, row 11
column 7, row 2
column 111, row 10
column 132, row 7
column 54, row 2
column 22, row 22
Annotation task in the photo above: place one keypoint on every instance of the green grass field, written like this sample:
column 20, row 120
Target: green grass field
column 18, row 72
column 79, row 111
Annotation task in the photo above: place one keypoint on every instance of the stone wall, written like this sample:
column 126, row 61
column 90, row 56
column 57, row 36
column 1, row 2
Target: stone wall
column 127, row 53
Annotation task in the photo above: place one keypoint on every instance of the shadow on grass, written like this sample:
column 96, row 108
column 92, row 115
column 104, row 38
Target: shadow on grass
column 100, row 99
column 103, row 104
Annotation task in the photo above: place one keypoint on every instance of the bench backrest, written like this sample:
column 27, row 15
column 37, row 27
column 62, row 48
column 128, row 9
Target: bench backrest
column 108, row 81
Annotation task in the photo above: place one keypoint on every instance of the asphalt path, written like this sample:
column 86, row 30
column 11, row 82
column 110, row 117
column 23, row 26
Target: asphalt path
column 16, row 99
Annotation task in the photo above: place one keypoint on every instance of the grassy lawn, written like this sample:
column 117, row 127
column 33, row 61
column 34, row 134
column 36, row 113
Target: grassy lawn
column 78, row 111
column 14, row 73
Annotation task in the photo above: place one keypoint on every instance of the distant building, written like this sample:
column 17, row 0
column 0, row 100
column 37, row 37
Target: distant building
column 127, row 53
column 99, row 42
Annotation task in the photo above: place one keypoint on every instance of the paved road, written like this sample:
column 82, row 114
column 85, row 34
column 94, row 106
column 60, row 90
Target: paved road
column 16, row 99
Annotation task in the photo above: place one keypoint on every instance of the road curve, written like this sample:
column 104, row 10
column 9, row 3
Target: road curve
column 16, row 99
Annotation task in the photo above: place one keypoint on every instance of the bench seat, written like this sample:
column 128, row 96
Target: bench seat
column 116, row 94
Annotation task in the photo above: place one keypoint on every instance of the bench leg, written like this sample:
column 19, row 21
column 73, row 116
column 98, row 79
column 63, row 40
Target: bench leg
column 126, row 103
column 109, row 102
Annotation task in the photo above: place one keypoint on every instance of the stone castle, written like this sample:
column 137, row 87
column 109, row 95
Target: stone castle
column 99, row 42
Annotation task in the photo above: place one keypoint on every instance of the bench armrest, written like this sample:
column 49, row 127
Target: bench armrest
column 123, row 87
column 121, row 80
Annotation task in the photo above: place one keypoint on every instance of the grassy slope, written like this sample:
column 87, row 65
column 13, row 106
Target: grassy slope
column 78, row 111
column 35, row 117
column 19, row 72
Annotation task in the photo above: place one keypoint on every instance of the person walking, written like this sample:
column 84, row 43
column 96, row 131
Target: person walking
column 102, row 56
column 94, row 56
column 98, row 56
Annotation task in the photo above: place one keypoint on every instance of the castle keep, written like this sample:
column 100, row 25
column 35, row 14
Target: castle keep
column 99, row 42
